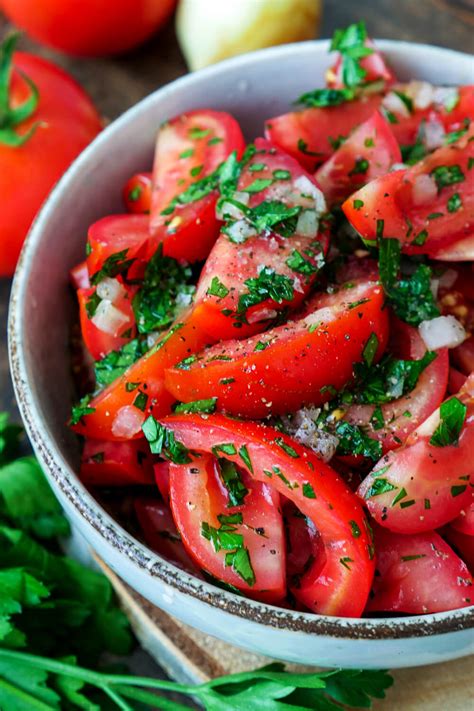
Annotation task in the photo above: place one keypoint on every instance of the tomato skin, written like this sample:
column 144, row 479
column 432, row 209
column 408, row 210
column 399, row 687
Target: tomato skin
column 314, row 127
column 98, row 342
column 117, row 233
column 430, row 484
column 329, row 586
column 69, row 122
column 116, row 463
column 463, row 544
column 189, row 231
column 293, row 369
column 115, row 418
column 460, row 251
column 234, row 263
column 464, row 523
column 137, row 194
column 436, row 581
column 161, row 470
column 338, row 177
column 161, row 535
column 391, row 198
column 420, row 402
column 374, row 64
column 463, row 356
column 89, row 29
column 198, row 496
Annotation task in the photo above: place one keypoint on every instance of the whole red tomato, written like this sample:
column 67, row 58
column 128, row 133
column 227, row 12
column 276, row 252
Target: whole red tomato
column 89, row 27
column 46, row 120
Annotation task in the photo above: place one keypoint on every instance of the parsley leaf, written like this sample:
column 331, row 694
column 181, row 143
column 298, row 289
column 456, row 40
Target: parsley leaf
column 350, row 43
column 325, row 97
column 165, row 291
column 452, row 416
column 268, row 285
column 162, row 441
column 81, row 409
column 353, row 440
column 115, row 363
column 445, row 175
column 410, row 297
column 208, row 406
column 113, row 266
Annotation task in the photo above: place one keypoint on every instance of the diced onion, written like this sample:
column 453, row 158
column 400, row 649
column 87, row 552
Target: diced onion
column 393, row 103
column 433, row 134
column 127, row 422
column 108, row 318
column 303, row 428
column 241, row 197
column 424, row 189
column 304, row 185
column 398, row 166
column 240, row 231
column 442, row 332
column 421, row 93
column 228, row 209
column 110, row 289
column 446, row 96
column 307, row 225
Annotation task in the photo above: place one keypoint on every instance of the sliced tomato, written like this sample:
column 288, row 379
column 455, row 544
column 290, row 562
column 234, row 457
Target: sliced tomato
column 303, row 542
column 422, row 486
column 418, row 575
column 120, row 409
column 311, row 135
column 161, row 471
column 460, row 251
column 250, row 552
column 79, row 276
column 137, row 194
column 224, row 284
column 374, row 65
column 103, row 334
column 456, row 380
column 427, row 207
column 290, row 365
column 124, row 234
column 160, row 533
column 464, row 523
column 338, row 582
column 405, row 414
column 116, row 463
column 189, row 148
column 463, row 356
column 463, row 544
column 408, row 127
column 368, row 153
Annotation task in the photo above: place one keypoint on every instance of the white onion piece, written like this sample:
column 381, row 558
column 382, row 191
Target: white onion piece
column 127, row 422
column 303, row 428
column 228, row 209
column 421, row 93
column 433, row 135
column 442, row 332
column 241, row 197
column 240, row 231
column 261, row 315
column 398, row 166
column 393, row 103
column 110, row 289
column 424, row 189
column 108, row 318
column 307, row 225
column 446, row 95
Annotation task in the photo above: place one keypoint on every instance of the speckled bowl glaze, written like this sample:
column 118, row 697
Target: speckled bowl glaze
column 251, row 87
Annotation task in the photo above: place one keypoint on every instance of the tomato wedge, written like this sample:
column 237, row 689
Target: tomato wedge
column 137, row 194
column 464, row 523
column 462, row 543
column 119, row 411
column 418, row 575
column 290, row 365
column 368, row 153
column 427, row 207
column 188, row 149
column 242, row 545
column 123, row 235
column 426, row 483
column 251, row 276
column 311, row 135
column 160, row 533
column 108, row 327
column 116, row 463
column 402, row 416
column 338, row 582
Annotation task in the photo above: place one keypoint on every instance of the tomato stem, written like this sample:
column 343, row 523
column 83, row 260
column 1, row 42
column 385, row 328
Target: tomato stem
column 12, row 117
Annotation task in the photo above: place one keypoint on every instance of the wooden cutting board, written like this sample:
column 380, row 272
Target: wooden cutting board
column 188, row 655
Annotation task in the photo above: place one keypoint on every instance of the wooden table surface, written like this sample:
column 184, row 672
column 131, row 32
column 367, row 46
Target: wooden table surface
column 116, row 84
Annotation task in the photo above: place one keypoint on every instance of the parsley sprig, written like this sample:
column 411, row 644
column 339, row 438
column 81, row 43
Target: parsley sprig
column 350, row 43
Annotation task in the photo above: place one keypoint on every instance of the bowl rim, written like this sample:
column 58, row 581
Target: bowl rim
column 86, row 505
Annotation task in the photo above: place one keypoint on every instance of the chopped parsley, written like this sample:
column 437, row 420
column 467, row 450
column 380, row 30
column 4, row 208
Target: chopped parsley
column 370, row 349
column 297, row 262
column 361, row 166
column 165, row 290
column 308, row 490
column 116, row 363
column 350, row 43
column 163, row 442
column 445, row 175
column 113, row 266
column 353, row 440
column 217, row 288
column 258, row 185
column 378, row 487
column 81, row 409
column 325, row 97
column 454, row 202
column 225, row 538
column 268, row 285
column 452, row 416
column 207, row 406
column 232, row 481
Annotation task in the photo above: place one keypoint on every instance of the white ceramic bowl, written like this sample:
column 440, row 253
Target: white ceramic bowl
column 252, row 87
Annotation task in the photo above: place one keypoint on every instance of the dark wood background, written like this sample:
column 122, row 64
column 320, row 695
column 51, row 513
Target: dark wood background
column 118, row 83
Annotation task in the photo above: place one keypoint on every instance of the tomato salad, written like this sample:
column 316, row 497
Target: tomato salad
column 280, row 340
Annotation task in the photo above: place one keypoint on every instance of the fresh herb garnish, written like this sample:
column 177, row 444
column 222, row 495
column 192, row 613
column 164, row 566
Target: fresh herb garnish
column 165, row 291
column 115, row 363
column 445, row 175
column 325, row 97
column 353, row 440
column 81, row 410
column 225, row 538
column 268, row 285
column 232, row 481
column 207, row 406
column 113, row 266
column 350, row 43
column 217, row 288
column 162, row 441
column 452, row 416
